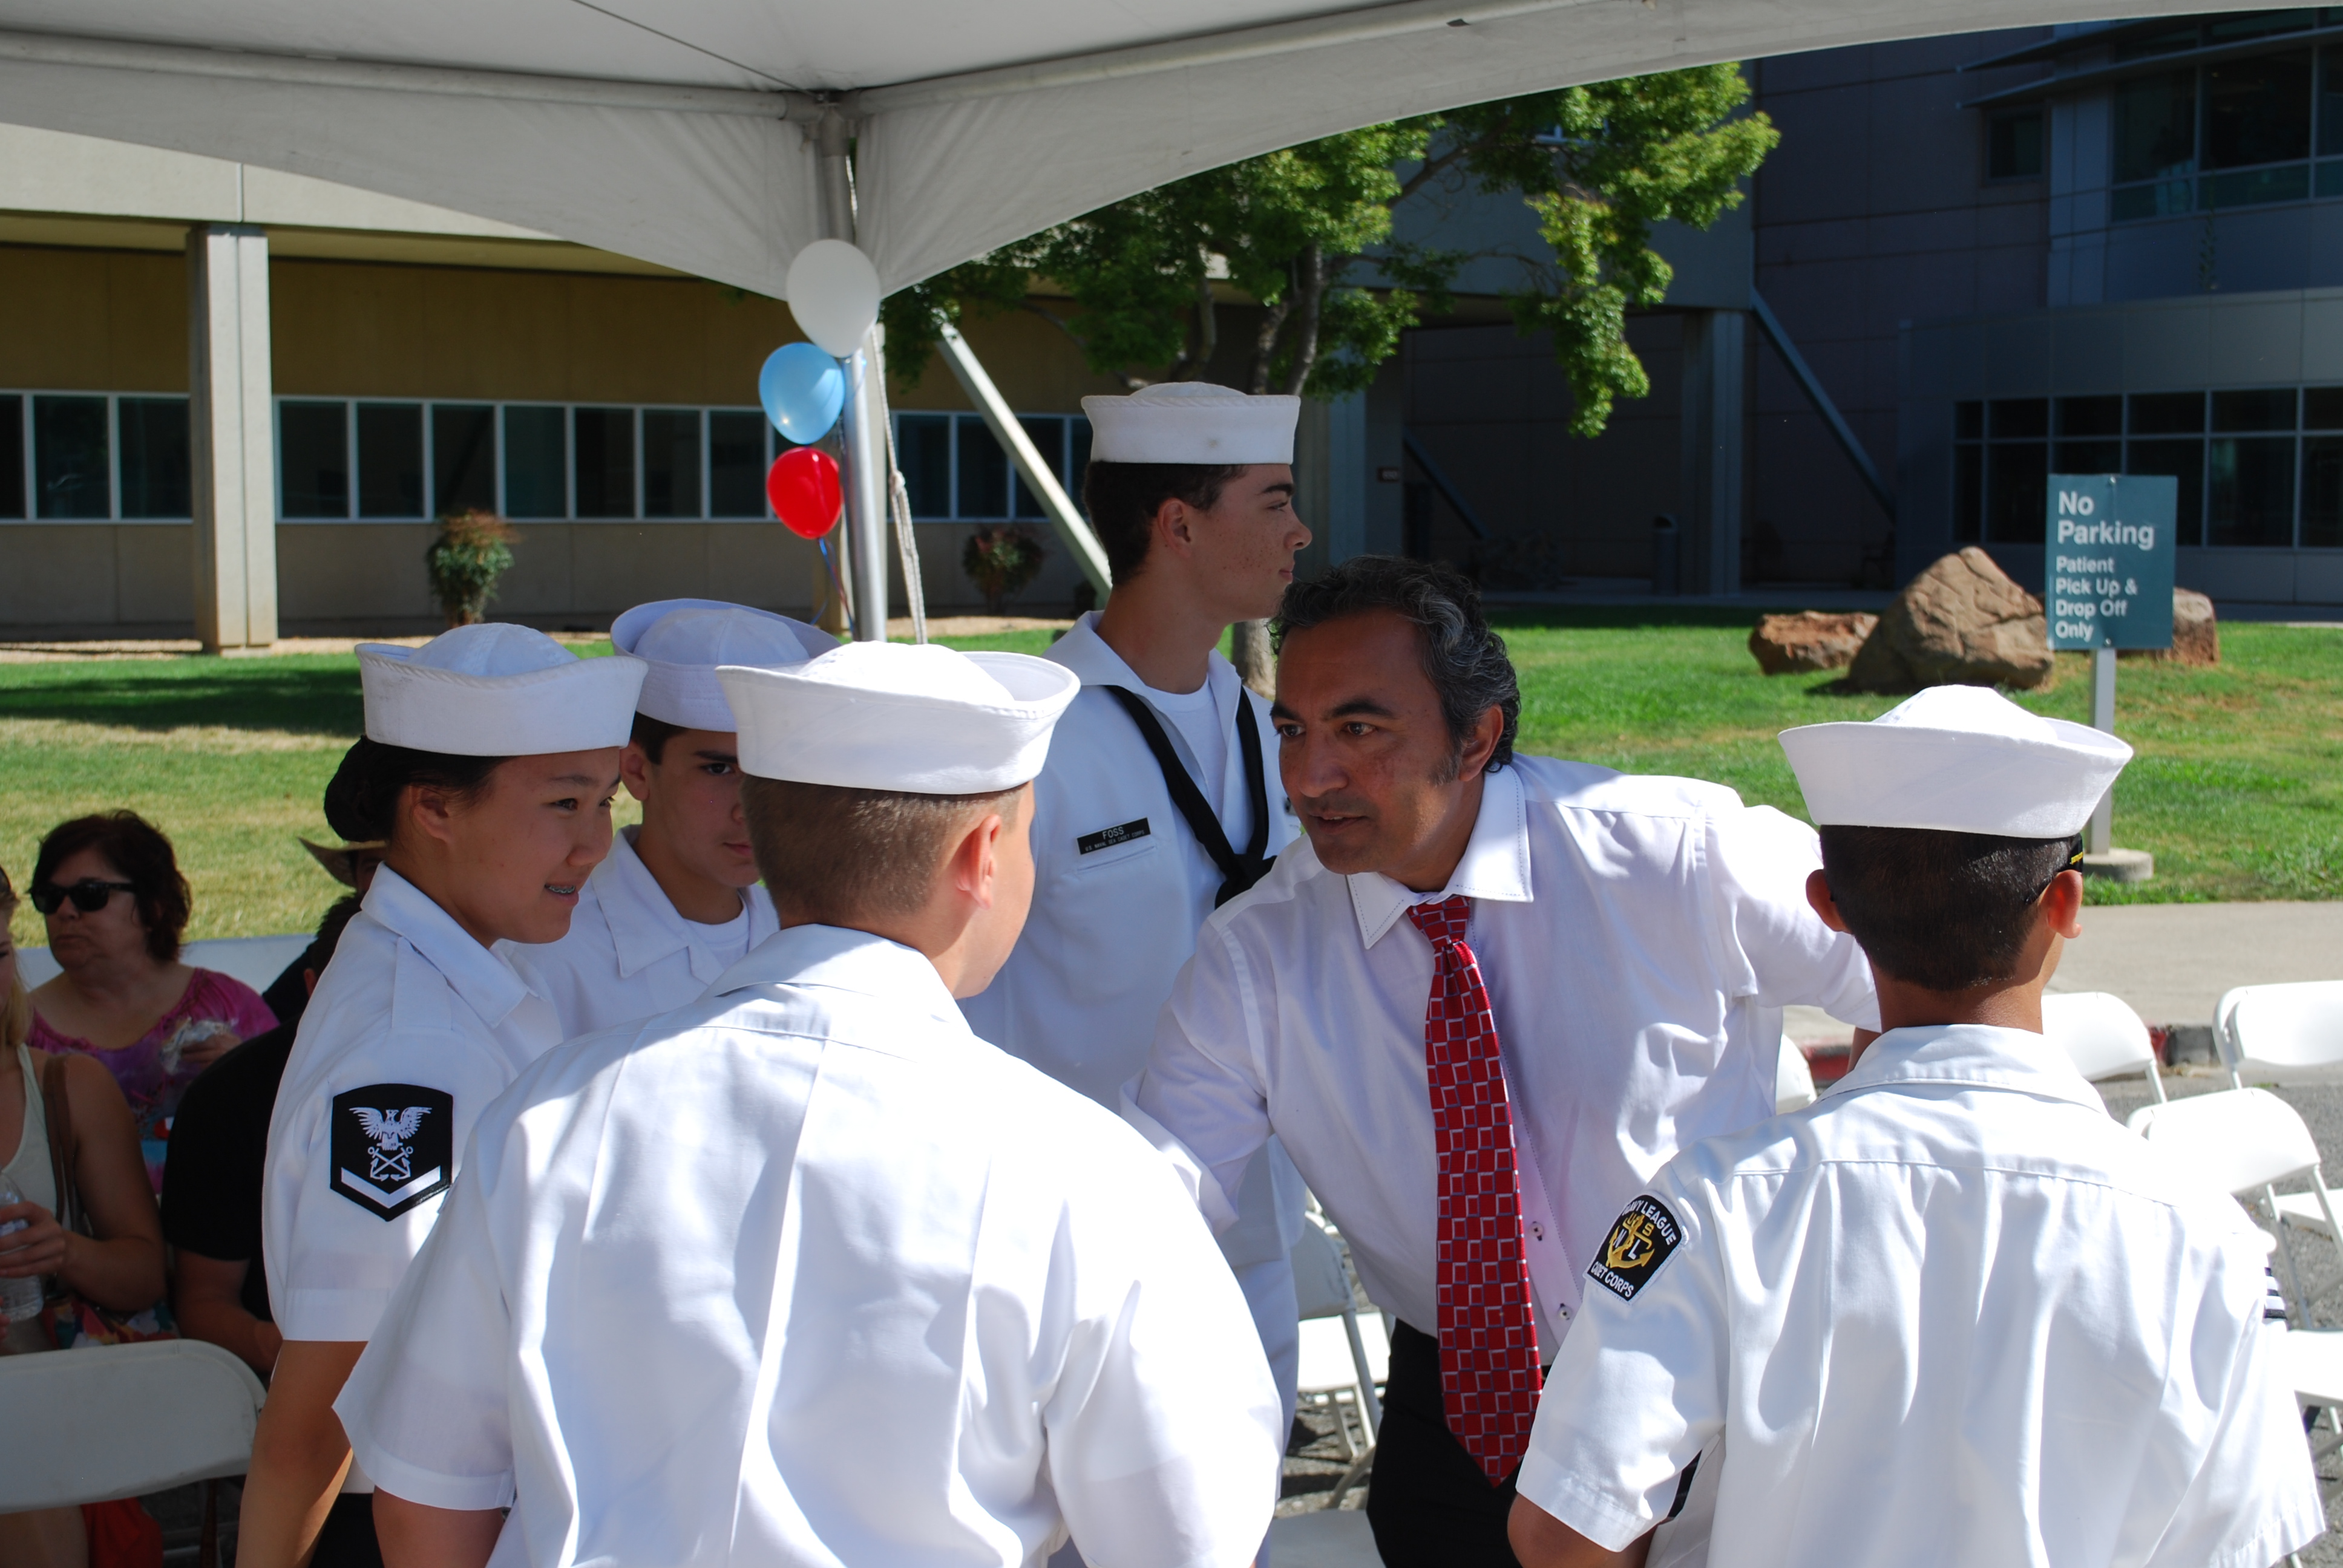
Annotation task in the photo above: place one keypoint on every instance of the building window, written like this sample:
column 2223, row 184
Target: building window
column 956, row 472
column 72, row 465
column 12, row 455
column 2237, row 132
column 2013, row 145
column 535, row 462
column 2257, row 467
column 154, row 448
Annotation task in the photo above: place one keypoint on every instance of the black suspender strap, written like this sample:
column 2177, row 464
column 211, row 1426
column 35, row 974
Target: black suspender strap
column 1237, row 872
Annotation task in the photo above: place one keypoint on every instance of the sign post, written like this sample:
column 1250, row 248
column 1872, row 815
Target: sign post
column 2108, row 554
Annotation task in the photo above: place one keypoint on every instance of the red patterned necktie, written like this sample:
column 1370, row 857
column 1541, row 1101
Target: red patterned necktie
column 1488, row 1337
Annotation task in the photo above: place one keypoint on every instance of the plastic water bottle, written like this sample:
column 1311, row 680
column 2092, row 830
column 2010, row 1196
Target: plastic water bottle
column 19, row 1298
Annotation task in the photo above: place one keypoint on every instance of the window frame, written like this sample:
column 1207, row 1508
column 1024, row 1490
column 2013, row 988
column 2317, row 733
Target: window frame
column 2153, row 197
column 28, row 498
column 1067, row 479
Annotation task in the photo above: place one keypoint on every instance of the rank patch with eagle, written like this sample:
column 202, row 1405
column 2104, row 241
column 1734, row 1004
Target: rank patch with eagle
column 394, row 1146
column 1638, row 1244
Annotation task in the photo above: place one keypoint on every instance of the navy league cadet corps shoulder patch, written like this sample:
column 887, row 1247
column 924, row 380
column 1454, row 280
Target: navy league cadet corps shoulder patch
column 393, row 1145
column 1638, row 1244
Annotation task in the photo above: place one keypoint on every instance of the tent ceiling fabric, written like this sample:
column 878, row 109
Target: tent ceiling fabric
column 679, row 132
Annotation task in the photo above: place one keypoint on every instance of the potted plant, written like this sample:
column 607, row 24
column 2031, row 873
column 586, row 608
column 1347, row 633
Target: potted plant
column 471, row 552
column 1003, row 562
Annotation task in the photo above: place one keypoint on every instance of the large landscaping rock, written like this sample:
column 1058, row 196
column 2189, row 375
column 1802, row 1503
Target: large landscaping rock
column 2196, row 634
column 1962, row 622
column 1809, row 640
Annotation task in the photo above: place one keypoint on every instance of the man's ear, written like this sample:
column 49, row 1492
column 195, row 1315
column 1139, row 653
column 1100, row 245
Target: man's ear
column 975, row 865
column 1819, row 894
column 1171, row 528
column 634, row 770
column 1482, row 744
column 2062, row 904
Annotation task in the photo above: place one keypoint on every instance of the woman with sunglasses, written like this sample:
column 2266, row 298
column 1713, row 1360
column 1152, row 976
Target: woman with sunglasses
column 488, row 765
column 109, row 887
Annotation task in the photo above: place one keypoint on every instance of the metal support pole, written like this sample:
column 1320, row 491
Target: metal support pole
column 861, row 543
column 970, row 372
column 2100, row 836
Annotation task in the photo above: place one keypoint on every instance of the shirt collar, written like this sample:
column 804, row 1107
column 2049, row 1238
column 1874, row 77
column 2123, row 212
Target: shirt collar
column 1969, row 1053
column 645, row 926
column 486, row 984
column 1086, row 653
column 1497, row 863
column 835, row 958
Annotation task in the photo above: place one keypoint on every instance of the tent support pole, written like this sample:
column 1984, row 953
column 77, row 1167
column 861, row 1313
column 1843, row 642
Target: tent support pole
column 868, row 471
column 970, row 372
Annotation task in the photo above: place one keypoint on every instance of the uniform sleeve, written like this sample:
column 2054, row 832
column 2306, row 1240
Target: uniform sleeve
column 1200, row 1100
column 1164, row 1427
column 2254, row 1498
column 427, row 1408
column 349, row 1207
column 1637, row 1390
column 1760, row 860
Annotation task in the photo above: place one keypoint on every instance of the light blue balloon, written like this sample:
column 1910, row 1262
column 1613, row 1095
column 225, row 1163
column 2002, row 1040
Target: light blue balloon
column 802, row 389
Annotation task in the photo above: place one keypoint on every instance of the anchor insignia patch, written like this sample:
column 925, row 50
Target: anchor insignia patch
column 1638, row 1244
column 393, row 1146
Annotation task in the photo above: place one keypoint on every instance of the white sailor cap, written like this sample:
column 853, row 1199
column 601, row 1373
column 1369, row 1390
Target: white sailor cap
column 920, row 720
column 1192, row 422
column 684, row 639
column 1959, row 759
column 495, row 690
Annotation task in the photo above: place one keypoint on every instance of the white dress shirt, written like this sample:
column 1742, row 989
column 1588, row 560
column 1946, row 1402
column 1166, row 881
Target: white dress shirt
column 1639, row 937
column 1950, row 1313
column 410, row 1001
column 807, row 1274
column 1120, row 886
column 629, row 954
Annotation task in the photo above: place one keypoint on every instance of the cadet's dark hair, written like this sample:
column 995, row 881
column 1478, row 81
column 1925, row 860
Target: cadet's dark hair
column 652, row 735
column 362, row 801
column 1122, row 499
column 1464, row 661
column 836, row 856
column 1949, row 911
column 137, row 850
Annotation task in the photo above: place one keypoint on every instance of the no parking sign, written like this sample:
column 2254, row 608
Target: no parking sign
column 2109, row 542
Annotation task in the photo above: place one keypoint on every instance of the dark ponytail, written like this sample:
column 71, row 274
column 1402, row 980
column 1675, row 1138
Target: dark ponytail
column 362, row 801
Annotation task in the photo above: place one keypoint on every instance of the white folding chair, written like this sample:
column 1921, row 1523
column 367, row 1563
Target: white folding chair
column 2290, row 1033
column 2101, row 1036
column 122, row 1421
column 2244, row 1140
column 1793, row 1080
column 1343, row 1355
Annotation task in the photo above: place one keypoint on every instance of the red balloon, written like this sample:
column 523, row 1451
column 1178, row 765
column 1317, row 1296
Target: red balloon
column 803, row 486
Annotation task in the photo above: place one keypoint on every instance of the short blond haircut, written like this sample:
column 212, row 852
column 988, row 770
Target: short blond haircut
column 835, row 855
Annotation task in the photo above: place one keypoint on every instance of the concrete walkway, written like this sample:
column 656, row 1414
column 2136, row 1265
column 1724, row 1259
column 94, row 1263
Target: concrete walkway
column 2171, row 961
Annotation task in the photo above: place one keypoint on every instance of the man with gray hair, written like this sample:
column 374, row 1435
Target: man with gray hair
column 1491, row 996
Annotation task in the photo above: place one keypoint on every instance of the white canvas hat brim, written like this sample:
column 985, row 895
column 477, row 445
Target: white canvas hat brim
column 688, row 695
column 799, row 725
column 1954, row 780
column 581, row 706
column 1233, row 429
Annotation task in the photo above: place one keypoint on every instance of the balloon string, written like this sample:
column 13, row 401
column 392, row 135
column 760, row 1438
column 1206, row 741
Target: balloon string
column 836, row 587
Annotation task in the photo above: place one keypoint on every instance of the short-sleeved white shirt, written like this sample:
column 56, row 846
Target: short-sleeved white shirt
column 629, row 954
column 1950, row 1313
column 1121, row 887
column 1639, row 937
column 806, row 1272
column 415, row 1027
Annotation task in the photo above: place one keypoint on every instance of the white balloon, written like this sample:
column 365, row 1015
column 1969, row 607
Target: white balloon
column 834, row 294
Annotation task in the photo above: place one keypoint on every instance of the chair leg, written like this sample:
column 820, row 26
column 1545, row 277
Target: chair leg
column 207, row 1544
column 2301, row 1303
column 1351, row 1478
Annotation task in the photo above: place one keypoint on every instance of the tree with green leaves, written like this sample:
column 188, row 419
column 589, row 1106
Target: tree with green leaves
column 1307, row 234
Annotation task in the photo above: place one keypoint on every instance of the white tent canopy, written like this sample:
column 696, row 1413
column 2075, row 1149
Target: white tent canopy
column 710, row 135
column 679, row 132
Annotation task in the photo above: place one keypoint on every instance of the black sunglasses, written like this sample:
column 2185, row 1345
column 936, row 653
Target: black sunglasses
column 88, row 894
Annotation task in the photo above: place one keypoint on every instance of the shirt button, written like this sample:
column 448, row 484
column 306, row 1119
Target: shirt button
column 1561, row 1310
column 1537, row 1232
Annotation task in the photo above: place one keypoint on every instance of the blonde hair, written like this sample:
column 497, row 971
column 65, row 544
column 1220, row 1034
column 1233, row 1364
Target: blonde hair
column 17, row 1007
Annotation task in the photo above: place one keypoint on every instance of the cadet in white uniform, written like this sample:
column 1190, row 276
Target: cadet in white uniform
column 677, row 903
column 798, row 1274
column 1480, row 1007
column 1160, row 800
column 1952, row 1312
column 488, row 761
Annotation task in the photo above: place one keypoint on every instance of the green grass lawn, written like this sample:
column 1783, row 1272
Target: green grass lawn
column 2238, row 787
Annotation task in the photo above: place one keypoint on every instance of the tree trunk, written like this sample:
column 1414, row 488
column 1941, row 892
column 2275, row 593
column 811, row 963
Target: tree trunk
column 1311, row 290
column 1250, row 652
column 1265, row 342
